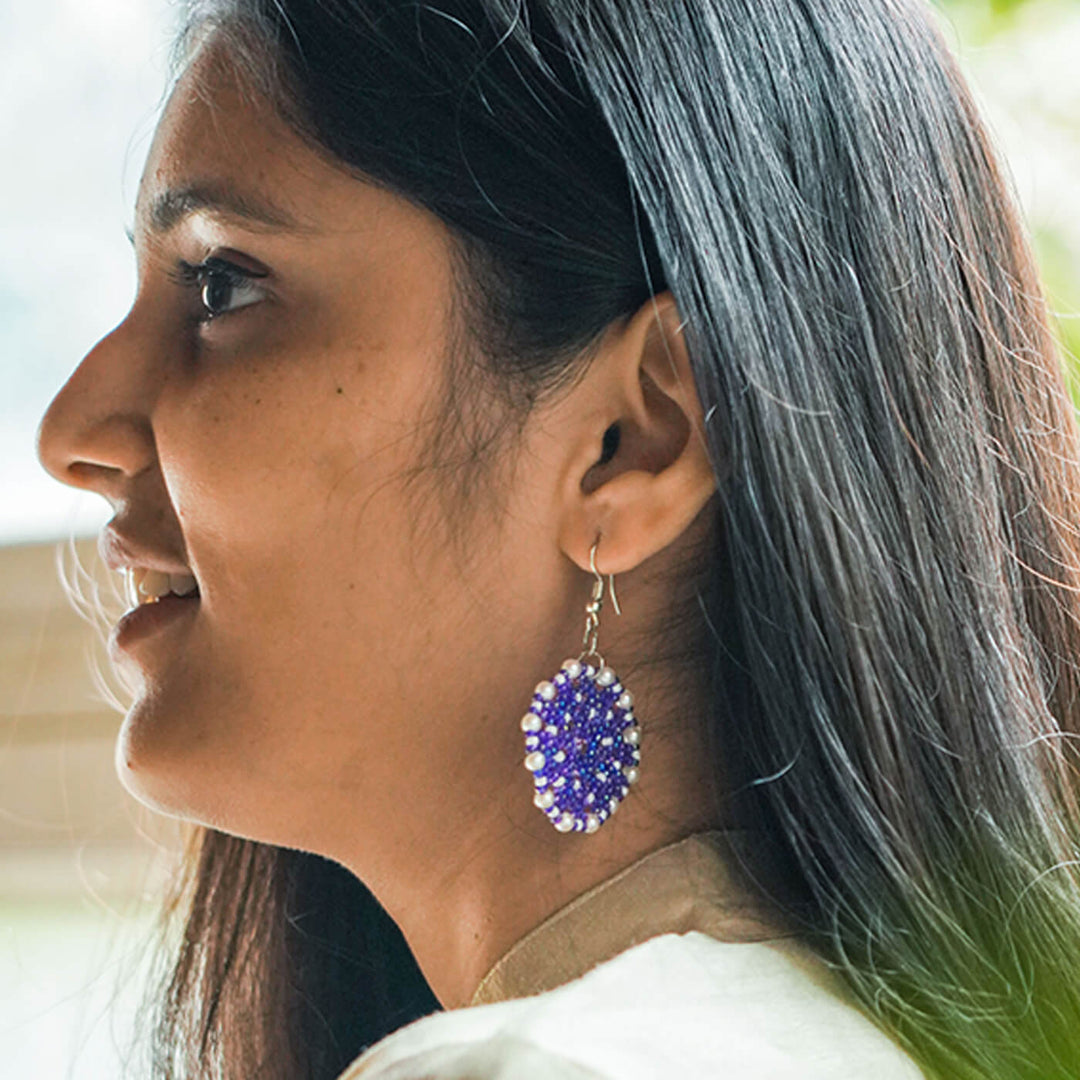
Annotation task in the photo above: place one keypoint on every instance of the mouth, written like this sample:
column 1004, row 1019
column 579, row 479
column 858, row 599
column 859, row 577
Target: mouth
column 157, row 600
column 146, row 622
column 145, row 586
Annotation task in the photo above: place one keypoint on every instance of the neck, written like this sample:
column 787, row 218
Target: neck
column 466, row 897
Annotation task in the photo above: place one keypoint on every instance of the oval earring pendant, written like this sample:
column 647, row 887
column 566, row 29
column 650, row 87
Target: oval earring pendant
column 581, row 745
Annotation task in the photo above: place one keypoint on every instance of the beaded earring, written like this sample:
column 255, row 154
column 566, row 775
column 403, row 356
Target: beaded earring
column 581, row 738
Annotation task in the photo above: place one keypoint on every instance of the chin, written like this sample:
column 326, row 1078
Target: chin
column 153, row 768
column 148, row 787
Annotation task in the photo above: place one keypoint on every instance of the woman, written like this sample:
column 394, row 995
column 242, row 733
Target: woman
column 451, row 314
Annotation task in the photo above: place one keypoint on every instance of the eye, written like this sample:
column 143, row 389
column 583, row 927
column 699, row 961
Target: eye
column 223, row 286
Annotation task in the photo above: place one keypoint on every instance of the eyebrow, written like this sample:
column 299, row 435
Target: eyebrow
column 172, row 206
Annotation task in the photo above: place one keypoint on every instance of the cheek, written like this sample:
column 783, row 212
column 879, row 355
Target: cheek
column 290, row 461
column 293, row 435
column 292, row 503
column 283, row 495
column 300, row 518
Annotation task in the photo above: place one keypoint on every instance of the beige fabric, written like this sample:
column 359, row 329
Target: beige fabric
column 687, row 885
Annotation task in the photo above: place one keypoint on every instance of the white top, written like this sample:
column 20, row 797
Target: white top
column 661, row 972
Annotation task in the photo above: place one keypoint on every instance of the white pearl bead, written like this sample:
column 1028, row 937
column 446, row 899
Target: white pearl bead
column 565, row 823
column 631, row 774
column 625, row 700
column 546, row 690
column 625, row 789
column 560, row 756
column 613, row 805
column 572, row 668
column 531, row 722
column 606, row 676
column 544, row 799
column 592, row 823
column 534, row 762
column 632, row 735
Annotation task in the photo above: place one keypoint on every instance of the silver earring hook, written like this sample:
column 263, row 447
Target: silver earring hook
column 611, row 577
column 590, row 638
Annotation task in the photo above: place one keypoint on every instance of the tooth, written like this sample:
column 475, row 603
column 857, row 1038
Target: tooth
column 182, row 584
column 154, row 583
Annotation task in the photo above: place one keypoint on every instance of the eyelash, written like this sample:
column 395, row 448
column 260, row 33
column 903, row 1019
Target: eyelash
column 200, row 275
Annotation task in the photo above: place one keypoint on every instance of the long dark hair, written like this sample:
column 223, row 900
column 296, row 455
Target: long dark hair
column 889, row 616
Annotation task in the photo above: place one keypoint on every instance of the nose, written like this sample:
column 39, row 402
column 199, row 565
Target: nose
column 96, row 432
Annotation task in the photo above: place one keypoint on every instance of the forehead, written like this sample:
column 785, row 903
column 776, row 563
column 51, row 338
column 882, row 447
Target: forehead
column 222, row 146
column 222, row 159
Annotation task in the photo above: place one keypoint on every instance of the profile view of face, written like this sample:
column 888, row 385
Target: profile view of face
column 353, row 671
column 258, row 422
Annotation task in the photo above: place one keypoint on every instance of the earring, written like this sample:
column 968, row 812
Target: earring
column 581, row 737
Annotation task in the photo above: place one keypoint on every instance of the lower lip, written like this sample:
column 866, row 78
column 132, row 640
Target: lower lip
column 146, row 619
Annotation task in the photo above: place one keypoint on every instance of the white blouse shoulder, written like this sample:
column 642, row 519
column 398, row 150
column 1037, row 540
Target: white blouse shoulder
column 667, row 970
column 680, row 1006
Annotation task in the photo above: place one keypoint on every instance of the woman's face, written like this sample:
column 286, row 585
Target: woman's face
column 265, row 421
column 269, row 448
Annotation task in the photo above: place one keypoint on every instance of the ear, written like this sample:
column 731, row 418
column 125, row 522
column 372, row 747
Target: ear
column 641, row 472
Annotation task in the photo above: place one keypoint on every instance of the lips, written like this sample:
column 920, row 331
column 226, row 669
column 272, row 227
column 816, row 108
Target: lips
column 161, row 590
column 143, row 628
column 120, row 551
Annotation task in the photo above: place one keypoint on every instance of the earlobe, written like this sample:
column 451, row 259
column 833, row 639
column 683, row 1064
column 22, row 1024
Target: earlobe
column 653, row 477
